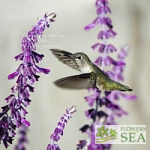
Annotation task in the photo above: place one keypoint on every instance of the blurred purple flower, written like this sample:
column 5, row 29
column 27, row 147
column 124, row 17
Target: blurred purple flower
column 22, row 139
column 14, row 113
column 58, row 132
column 105, row 99
column 81, row 144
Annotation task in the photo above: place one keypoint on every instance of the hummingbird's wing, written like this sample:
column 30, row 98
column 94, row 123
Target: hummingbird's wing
column 65, row 57
column 82, row 81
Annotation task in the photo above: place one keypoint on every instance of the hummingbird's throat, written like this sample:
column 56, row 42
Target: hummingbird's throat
column 86, row 69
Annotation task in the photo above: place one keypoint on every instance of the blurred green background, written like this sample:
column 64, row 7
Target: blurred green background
column 131, row 20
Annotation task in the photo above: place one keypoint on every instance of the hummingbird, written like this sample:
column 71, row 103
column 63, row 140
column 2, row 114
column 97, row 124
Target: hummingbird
column 92, row 76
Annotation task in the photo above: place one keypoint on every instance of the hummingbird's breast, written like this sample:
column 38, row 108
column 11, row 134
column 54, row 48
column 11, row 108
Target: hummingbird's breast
column 102, row 78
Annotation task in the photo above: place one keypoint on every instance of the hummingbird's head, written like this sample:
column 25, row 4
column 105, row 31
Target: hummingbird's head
column 81, row 59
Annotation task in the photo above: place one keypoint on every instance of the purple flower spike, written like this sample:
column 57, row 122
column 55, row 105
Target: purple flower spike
column 106, row 99
column 58, row 132
column 14, row 114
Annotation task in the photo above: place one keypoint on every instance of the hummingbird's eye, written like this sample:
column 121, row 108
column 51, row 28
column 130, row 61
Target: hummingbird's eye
column 79, row 57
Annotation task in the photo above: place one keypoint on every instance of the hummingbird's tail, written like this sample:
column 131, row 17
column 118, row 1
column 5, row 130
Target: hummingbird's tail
column 125, row 88
column 122, row 87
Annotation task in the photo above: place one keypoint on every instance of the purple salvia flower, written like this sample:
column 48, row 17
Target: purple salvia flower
column 105, row 99
column 91, row 99
column 81, row 144
column 58, row 132
column 14, row 113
